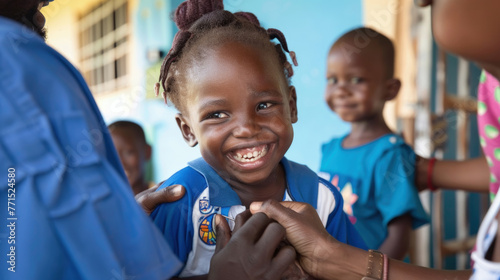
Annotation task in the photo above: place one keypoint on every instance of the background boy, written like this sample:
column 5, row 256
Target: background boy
column 372, row 166
column 134, row 152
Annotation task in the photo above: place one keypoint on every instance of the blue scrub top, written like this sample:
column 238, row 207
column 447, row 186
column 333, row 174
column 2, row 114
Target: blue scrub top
column 73, row 214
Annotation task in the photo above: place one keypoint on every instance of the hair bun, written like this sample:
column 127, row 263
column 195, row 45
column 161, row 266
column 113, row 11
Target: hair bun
column 248, row 16
column 191, row 10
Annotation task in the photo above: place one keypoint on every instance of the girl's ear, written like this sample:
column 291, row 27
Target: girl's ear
column 186, row 130
column 393, row 86
column 293, row 104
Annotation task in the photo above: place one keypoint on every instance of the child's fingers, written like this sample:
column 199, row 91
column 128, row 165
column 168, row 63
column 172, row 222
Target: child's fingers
column 222, row 232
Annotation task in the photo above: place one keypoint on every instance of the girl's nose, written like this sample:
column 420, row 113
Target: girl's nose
column 246, row 127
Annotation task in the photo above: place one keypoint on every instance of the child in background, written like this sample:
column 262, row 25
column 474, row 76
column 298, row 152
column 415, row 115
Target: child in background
column 372, row 166
column 134, row 152
column 231, row 86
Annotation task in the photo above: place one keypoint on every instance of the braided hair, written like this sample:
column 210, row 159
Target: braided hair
column 203, row 25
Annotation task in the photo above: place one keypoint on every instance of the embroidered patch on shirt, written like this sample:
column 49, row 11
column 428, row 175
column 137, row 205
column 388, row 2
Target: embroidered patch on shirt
column 206, row 231
column 205, row 206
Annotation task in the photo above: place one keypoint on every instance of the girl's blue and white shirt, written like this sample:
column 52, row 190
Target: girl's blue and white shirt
column 187, row 224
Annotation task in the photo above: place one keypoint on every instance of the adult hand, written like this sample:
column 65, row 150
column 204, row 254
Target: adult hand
column 150, row 198
column 252, row 251
column 304, row 231
column 294, row 270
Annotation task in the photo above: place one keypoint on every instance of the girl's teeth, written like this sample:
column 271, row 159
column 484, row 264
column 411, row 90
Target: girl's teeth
column 251, row 156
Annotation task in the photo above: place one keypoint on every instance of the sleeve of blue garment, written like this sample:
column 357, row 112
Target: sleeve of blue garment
column 75, row 215
column 175, row 219
column 338, row 225
column 395, row 189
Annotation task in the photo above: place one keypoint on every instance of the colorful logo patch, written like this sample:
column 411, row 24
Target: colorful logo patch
column 205, row 207
column 206, row 231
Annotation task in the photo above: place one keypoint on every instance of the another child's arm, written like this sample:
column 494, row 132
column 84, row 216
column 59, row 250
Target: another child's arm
column 324, row 257
column 397, row 200
column 468, row 175
column 397, row 243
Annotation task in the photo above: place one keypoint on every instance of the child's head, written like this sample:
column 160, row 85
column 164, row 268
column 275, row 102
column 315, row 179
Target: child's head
column 130, row 143
column 231, row 86
column 360, row 75
column 469, row 29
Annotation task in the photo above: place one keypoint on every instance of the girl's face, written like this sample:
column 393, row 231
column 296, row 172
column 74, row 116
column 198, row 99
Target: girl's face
column 468, row 28
column 240, row 110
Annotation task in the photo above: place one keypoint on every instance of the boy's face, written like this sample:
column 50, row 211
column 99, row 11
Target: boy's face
column 357, row 86
column 240, row 111
column 132, row 153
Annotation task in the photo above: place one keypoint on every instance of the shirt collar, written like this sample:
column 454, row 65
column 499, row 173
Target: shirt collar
column 302, row 183
column 220, row 192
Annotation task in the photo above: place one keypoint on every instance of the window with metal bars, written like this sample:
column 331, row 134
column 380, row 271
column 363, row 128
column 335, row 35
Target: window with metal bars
column 103, row 33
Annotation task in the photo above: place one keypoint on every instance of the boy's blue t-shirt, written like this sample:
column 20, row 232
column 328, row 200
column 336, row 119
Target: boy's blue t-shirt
column 187, row 223
column 377, row 183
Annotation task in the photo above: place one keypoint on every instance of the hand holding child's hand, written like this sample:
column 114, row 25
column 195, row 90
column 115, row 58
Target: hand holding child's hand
column 304, row 231
column 294, row 270
column 250, row 252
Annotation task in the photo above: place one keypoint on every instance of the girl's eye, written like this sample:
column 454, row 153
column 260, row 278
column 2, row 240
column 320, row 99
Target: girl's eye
column 356, row 80
column 331, row 81
column 216, row 115
column 264, row 105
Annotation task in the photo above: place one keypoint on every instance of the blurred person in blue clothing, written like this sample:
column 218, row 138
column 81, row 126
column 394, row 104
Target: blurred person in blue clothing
column 71, row 215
